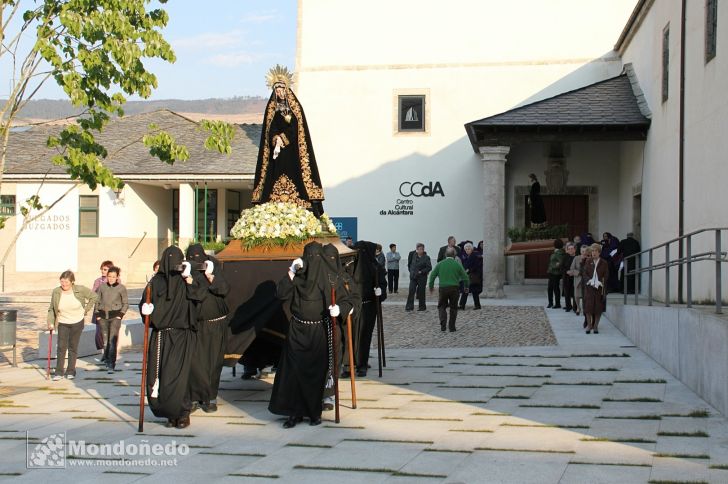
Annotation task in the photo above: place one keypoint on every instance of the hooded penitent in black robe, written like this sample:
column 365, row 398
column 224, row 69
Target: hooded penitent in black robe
column 172, row 342
column 304, row 365
column 538, row 211
column 212, row 321
column 293, row 176
column 369, row 275
column 337, row 272
column 355, row 292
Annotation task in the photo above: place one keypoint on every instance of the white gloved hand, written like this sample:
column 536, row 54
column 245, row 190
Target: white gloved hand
column 209, row 267
column 377, row 291
column 147, row 309
column 334, row 310
column 297, row 264
column 277, row 149
column 351, row 312
column 187, row 269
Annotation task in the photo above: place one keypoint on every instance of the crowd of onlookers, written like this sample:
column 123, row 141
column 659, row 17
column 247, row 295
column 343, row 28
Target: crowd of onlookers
column 581, row 271
column 107, row 300
column 459, row 268
column 70, row 302
column 584, row 271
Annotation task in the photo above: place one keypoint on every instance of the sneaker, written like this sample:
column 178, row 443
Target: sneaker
column 110, row 371
column 56, row 377
column 70, row 377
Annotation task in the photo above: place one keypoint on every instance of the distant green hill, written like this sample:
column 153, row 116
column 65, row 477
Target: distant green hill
column 55, row 109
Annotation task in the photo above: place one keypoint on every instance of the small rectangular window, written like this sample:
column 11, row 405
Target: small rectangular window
column 88, row 216
column 7, row 205
column 411, row 113
column 665, row 62
column 711, row 29
column 206, row 214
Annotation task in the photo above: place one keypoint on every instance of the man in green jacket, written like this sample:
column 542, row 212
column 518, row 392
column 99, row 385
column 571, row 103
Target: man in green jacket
column 451, row 274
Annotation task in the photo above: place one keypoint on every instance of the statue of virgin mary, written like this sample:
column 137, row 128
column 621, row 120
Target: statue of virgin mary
column 286, row 170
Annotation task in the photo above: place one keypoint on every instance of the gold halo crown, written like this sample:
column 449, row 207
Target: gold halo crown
column 279, row 75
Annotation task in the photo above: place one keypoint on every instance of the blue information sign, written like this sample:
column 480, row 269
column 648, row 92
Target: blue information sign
column 346, row 227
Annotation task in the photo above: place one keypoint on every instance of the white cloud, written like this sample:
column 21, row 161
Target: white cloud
column 232, row 59
column 259, row 17
column 210, row 40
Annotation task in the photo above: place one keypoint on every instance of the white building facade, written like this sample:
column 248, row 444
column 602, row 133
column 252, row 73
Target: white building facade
column 477, row 59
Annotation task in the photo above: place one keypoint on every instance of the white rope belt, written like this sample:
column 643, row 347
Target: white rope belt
column 216, row 319
column 303, row 321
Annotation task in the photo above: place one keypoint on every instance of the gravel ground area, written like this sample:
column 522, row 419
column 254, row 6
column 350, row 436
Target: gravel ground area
column 490, row 326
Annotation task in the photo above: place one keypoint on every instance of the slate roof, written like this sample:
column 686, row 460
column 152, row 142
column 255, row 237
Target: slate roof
column 610, row 104
column 28, row 155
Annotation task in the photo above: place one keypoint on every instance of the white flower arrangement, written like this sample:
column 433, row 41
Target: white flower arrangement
column 279, row 223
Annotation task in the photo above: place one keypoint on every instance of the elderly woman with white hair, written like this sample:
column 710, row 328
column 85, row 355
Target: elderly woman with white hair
column 473, row 265
column 595, row 293
column 576, row 271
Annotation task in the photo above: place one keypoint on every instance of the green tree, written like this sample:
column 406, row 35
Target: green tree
column 95, row 51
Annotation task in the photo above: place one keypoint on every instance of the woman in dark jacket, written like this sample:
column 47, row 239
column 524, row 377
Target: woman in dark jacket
column 556, row 261
column 596, row 271
column 473, row 265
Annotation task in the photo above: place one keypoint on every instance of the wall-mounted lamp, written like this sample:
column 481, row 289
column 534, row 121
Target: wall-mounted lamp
column 119, row 192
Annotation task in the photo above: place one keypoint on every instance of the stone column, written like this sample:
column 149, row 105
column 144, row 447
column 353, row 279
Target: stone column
column 494, row 192
column 186, row 214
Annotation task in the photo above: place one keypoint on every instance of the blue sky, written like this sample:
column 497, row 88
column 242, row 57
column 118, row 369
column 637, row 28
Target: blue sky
column 223, row 47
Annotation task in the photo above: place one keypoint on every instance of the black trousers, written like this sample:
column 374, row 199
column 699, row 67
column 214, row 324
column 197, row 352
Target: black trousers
column 68, row 337
column 367, row 324
column 554, row 291
column 393, row 280
column 569, row 301
column 464, row 299
column 448, row 298
column 110, row 332
column 417, row 286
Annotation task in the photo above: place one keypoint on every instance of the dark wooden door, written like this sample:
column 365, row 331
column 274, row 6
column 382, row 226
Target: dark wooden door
column 560, row 209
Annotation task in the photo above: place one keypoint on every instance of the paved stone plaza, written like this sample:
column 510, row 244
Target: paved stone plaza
column 591, row 408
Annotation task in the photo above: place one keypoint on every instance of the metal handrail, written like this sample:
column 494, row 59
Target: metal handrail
column 717, row 255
